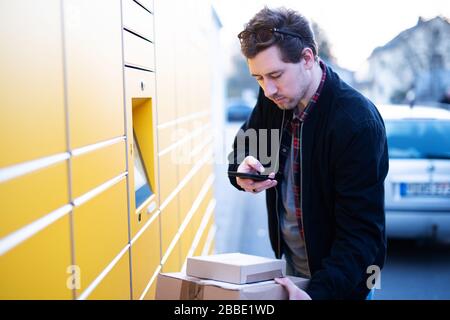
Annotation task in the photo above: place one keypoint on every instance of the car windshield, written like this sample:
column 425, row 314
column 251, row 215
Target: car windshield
column 416, row 139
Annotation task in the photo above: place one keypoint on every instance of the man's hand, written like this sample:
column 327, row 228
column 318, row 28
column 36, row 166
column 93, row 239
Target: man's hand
column 295, row 293
column 252, row 165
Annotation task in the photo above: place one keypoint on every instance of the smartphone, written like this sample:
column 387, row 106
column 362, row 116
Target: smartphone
column 244, row 175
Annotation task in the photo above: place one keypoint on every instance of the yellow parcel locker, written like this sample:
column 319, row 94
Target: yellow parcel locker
column 173, row 262
column 116, row 284
column 30, row 197
column 186, row 240
column 169, row 224
column 205, row 232
column 39, row 267
column 32, row 116
column 186, row 200
column 168, row 172
column 100, row 231
column 94, row 70
column 146, row 257
column 89, row 170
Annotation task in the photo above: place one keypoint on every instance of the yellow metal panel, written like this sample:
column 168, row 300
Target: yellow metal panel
column 168, row 136
column 166, row 99
column 202, row 209
column 186, row 200
column 186, row 240
column 30, row 197
column 146, row 257
column 184, row 159
column 116, row 284
column 185, row 170
column 94, row 70
column 37, row 268
column 201, row 244
column 137, row 19
column 151, row 292
column 138, row 52
column 140, row 218
column 100, row 231
column 139, row 83
column 165, row 65
column 197, row 184
column 168, row 179
column 91, row 169
column 169, row 224
column 173, row 263
column 195, row 224
column 32, row 117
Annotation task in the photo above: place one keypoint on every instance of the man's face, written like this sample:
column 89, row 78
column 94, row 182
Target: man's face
column 283, row 83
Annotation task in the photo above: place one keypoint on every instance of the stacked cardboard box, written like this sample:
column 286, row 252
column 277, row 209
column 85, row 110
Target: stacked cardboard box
column 231, row 276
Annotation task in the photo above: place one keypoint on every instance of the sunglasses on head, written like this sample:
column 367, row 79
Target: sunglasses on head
column 266, row 35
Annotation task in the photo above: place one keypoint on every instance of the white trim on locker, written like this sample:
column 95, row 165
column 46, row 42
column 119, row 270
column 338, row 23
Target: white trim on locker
column 103, row 274
column 25, row 168
column 209, row 240
column 187, row 118
column 194, row 134
column 17, row 237
column 202, row 194
column 96, row 191
column 186, row 179
column 96, row 146
column 201, row 229
column 147, row 224
column 21, row 169
column 150, row 283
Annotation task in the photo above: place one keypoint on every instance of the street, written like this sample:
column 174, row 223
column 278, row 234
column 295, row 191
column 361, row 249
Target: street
column 412, row 271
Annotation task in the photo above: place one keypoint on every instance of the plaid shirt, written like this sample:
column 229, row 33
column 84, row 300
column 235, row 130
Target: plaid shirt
column 291, row 136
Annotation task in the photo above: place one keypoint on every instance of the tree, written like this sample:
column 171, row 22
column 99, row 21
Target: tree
column 323, row 43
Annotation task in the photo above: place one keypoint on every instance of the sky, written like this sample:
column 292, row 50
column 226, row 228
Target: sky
column 353, row 27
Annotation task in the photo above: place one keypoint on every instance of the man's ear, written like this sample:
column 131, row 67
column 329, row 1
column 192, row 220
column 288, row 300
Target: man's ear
column 308, row 57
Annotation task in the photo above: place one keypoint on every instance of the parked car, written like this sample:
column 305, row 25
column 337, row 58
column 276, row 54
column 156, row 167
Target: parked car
column 417, row 187
column 238, row 111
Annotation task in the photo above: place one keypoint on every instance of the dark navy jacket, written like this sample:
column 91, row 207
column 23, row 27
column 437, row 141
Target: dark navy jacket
column 344, row 163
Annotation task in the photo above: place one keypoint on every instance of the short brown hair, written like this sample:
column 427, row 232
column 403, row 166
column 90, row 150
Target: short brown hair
column 282, row 19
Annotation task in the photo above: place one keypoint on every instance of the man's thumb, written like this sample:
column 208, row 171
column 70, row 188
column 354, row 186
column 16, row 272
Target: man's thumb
column 285, row 282
column 255, row 164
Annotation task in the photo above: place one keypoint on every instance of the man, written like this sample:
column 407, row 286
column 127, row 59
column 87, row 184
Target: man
column 326, row 202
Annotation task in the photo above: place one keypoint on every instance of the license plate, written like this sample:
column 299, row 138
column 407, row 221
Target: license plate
column 435, row 189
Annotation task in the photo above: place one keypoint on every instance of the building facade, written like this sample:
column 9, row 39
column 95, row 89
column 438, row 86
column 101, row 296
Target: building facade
column 413, row 65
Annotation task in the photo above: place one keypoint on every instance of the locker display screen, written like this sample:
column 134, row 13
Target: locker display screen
column 141, row 183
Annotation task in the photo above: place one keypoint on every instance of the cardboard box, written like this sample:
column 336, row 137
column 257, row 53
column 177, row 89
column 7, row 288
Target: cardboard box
column 179, row 286
column 235, row 268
